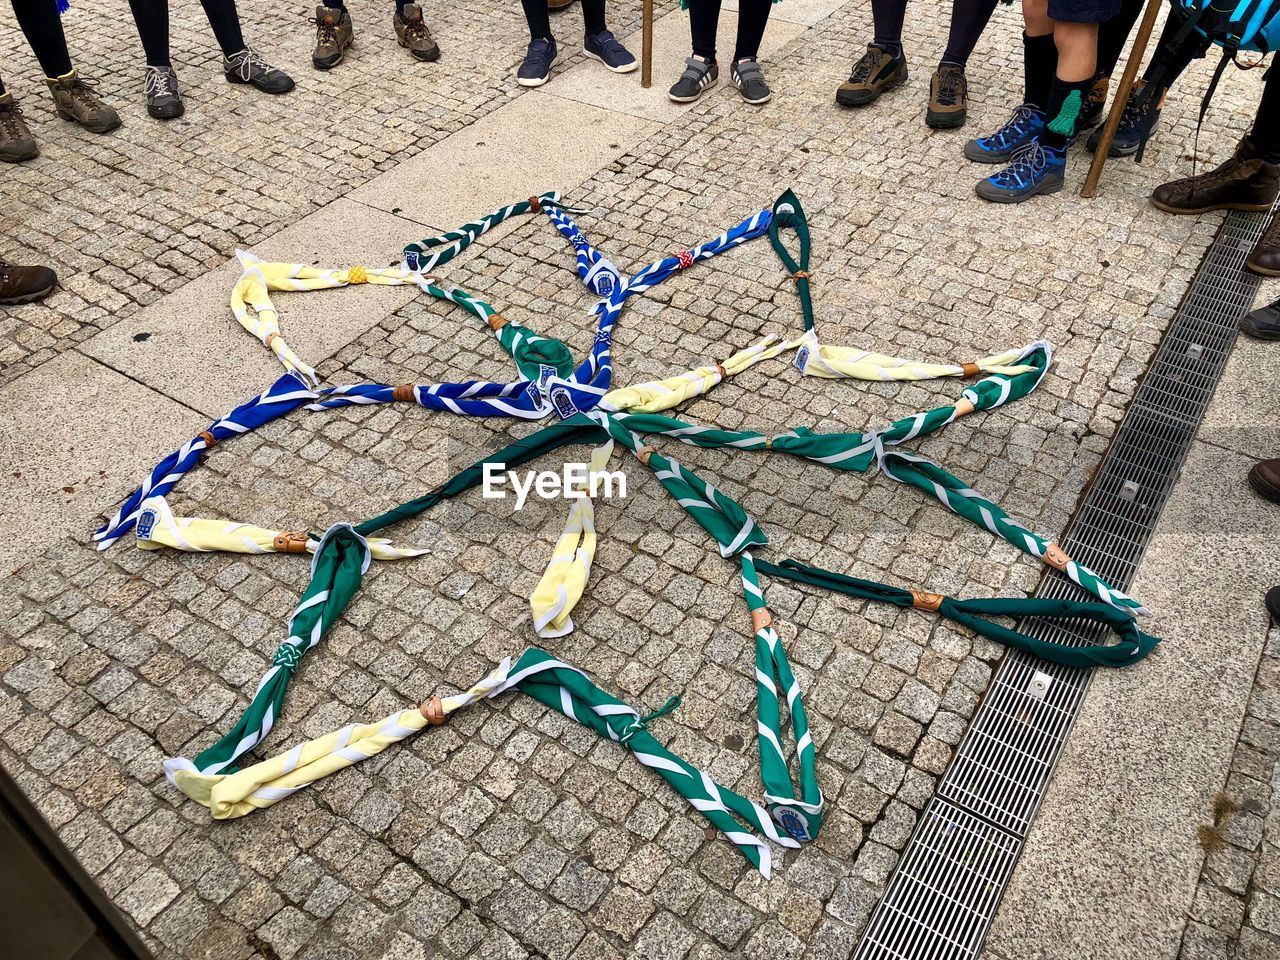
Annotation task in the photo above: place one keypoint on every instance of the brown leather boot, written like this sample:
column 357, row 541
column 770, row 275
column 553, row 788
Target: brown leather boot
column 16, row 142
column 1265, row 258
column 1245, row 182
column 876, row 73
column 335, row 33
column 1265, row 479
column 411, row 31
column 25, row 284
column 76, row 100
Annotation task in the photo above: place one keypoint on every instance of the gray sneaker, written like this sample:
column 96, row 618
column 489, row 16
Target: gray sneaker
column 749, row 79
column 698, row 76
column 247, row 66
column 164, row 100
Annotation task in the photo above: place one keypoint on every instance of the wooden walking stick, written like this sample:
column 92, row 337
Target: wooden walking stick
column 646, row 46
column 1121, row 98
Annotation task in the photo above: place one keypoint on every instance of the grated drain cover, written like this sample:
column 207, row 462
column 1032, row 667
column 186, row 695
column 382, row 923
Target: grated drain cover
column 943, row 895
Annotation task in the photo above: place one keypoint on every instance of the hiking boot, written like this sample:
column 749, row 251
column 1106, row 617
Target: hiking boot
column 75, row 99
column 335, row 33
column 604, row 46
column 1094, row 103
column 1137, row 124
column 1035, row 170
column 541, row 56
column 1263, row 323
column 948, row 98
column 247, row 66
column 876, row 73
column 1265, row 479
column 1245, row 182
column 25, row 284
column 164, row 99
column 16, row 142
column 1022, row 128
column 749, row 79
column 1265, row 258
column 412, row 32
column 697, row 77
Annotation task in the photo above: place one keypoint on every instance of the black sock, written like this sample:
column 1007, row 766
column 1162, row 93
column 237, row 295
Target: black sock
column 592, row 16
column 968, row 19
column 152, row 19
column 2, row 91
column 1039, row 64
column 335, row 4
column 887, row 15
column 535, row 12
column 1066, row 103
column 400, row 7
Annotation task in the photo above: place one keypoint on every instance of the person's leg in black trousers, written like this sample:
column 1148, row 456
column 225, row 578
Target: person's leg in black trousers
column 948, row 106
column 747, row 75
column 702, row 69
column 884, row 65
column 73, row 98
column 1141, row 114
column 335, row 31
column 240, row 64
column 598, row 43
column 1265, row 140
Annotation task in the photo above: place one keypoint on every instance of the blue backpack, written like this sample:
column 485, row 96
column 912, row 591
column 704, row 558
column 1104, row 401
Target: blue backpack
column 1234, row 25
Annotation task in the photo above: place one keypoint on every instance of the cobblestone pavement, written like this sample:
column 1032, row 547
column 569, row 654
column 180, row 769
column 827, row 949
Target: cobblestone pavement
column 128, row 217
column 511, row 831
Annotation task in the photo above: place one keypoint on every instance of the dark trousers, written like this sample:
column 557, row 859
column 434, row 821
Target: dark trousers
column 535, row 11
column 704, row 17
column 42, row 27
column 152, row 18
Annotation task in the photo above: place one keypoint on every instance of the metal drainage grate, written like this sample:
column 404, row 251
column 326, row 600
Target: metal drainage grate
column 944, row 892
column 949, row 884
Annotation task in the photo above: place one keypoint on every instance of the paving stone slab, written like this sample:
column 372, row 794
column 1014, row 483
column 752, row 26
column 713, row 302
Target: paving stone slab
column 527, row 147
column 1245, row 413
column 1117, row 830
column 74, row 450
column 188, row 345
column 588, row 82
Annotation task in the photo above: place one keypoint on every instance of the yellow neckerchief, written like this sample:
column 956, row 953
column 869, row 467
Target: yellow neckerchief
column 561, row 586
column 821, row 360
column 233, row 795
column 157, row 527
column 660, row 395
column 252, row 306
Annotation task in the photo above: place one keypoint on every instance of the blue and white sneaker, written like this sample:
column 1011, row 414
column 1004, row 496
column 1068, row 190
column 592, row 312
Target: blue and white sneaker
column 999, row 147
column 1035, row 170
column 604, row 46
column 538, row 61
